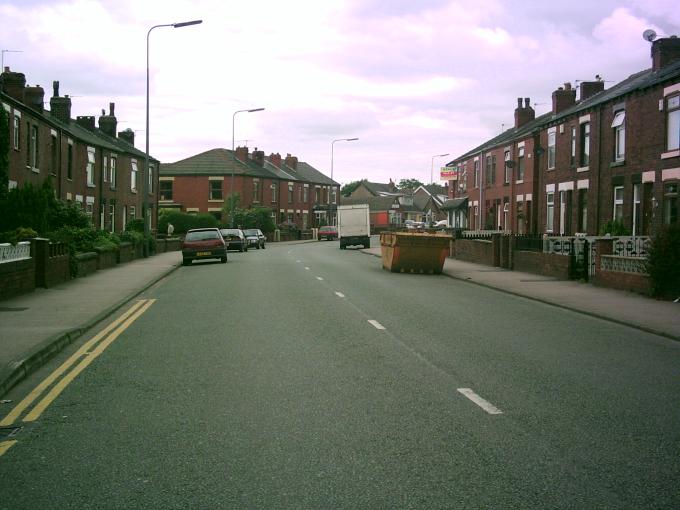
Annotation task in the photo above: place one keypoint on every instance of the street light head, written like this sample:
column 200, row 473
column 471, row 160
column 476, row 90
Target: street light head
column 351, row 139
column 187, row 23
column 255, row 110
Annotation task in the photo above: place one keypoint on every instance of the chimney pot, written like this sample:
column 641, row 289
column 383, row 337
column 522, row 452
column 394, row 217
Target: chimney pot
column 519, row 102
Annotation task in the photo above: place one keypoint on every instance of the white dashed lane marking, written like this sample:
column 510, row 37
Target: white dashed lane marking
column 487, row 406
column 319, row 278
column 340, row 294
column 376, row 324
column 306, row 268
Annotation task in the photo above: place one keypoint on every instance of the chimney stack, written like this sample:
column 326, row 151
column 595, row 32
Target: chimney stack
column 242, row 154
column 275, row 159
column 665, row 51
column 291, row 162
column 13, row 84
column 34, row 97
column 86, row 121
column 60, row 107
column 590, row 88
column 109, row 123
column 523, row 114
column 258, row 157
column 128, row 136
column 563, row 98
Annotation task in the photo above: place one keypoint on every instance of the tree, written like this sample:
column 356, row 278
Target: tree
column 349, row 188
column 257, row 217
column 4, row 154
column 409, row 184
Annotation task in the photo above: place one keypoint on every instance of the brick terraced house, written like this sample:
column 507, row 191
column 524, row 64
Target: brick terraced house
column 294, row 190
column 89, row 165
column 610, row 155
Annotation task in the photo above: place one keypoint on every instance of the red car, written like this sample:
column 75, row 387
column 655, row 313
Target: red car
column 203, row 243
column 328, row 232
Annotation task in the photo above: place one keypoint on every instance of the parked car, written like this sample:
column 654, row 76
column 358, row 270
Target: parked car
column 235, row 239
column 255, row 237
column 441, row 224
column 328, row 232
column 414, row 225
column 203, row 243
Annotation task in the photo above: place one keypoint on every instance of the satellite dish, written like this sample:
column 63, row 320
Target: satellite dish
column 649, row 35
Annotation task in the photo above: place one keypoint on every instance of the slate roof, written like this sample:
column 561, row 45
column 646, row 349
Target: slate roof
column 377, row 188
column 379, row 203
column 307, row 172
column 638, row 81
column 455, row 203
column 215, row 162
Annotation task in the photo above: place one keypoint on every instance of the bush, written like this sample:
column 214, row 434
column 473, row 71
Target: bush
column 257, row 217
column 135, row 225
column 183, row 221
column 81, row 240
column 132, row 236
column 614, row 228
column 17, row 235
column 662, row 263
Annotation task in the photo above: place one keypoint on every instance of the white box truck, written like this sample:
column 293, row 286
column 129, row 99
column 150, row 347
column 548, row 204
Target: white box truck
column 354, row 225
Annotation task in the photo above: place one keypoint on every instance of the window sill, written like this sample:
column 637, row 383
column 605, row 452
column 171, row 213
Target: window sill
column 91, row 185
column 34, row 170
column 112, row 188
column 614, row 164
column 671, row 154
column 133, row 191
column 583, row 169
column 519, row 182
column 213, row 200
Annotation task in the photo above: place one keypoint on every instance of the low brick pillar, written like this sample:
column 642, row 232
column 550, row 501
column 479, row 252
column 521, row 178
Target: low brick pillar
column 496, row 240
column 40, row 250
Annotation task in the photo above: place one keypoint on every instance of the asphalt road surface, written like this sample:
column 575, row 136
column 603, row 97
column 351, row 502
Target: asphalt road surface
column 303, row 376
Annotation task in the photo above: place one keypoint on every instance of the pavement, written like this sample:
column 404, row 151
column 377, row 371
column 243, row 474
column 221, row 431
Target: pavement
column 36, row 326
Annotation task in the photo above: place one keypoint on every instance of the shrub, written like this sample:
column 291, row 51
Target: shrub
column 614, row 228
column 17, row 235
column 81, row 240
column 135, row 225
column 662, row 263
column 132, row 236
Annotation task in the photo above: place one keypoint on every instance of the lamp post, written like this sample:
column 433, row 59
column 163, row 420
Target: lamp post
column 147, row 169
column 432, row 166
column 332, row 148
column 233, row 155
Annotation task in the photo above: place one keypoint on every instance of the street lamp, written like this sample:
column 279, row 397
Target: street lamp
column 147, row 169
column 432, row 166
column 233, row 156
column 332, row 147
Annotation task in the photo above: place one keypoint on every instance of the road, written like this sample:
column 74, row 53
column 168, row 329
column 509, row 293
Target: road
column 303, row 376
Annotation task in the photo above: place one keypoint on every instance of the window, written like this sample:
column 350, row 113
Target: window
column 550, row 213
column 619, row 126
column 33, row 148
column 333, row 195
column 520, row 165
column 673, row 123
column 317, row 191
column 105, row 169
column 112, row 169
column 102, row 215
column 290, row 192
column 150, row 190
column 273, row 192
column 256, row 190
column 215, row 190
column 671, row 206
column 490, row 169
column 618, row 204
column 112, row 218
column 637, row 209
column 493, row 169
column 508, row 169
column 133, row 176
column 17, row 132
column 476, row 173
column 572, row 155
column 551, row 150
column 89, row 170
column 585, row 144
column 583, row 210
column 53, row 155
column 166, row 190
column 133, row 212
column 69, row 162
column 506, row 216
column 125, row 215
column 305, row 195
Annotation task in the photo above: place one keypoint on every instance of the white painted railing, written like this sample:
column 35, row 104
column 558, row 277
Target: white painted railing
column 623, row 264
column 10, row 253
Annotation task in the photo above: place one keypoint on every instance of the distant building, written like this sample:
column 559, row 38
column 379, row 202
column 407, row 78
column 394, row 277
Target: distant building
column 293, row 190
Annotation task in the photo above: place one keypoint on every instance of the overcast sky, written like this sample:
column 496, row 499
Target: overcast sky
column 409, row 78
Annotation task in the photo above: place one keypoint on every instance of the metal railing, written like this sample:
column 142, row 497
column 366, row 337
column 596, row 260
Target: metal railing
column 10, row 253
column 623, row 264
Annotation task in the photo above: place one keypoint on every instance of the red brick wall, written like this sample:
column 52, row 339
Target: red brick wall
column 546, row 264
column 623, row 281
column 16, row 278
column 474, row 250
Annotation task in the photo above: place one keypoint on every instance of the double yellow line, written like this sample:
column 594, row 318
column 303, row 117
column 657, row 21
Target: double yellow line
column 85, row 355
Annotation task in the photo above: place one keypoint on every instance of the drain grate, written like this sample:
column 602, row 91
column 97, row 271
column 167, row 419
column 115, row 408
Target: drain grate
column 8, row 432
column 13, row 309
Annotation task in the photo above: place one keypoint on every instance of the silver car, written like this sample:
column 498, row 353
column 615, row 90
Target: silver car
column 254, row 237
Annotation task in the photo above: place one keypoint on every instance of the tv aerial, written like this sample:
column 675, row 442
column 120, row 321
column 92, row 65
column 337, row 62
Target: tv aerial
column 649, row 35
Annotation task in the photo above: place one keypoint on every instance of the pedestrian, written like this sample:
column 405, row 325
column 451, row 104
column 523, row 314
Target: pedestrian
column 171, row 229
